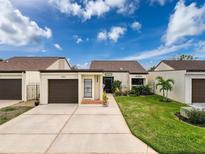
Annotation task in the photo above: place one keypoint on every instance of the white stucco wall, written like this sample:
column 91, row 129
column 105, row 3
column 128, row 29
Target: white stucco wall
column 121, row 76
column 32, row 77
column 60, row 64
column 162, row 66
column 21, row 76
column 178, row 92
column 124, row 78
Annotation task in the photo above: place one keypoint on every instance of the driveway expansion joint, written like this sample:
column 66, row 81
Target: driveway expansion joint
column 58, row 134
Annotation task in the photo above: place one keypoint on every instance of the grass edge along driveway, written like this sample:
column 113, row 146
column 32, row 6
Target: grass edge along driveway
column 154, row 122
column 11, row 112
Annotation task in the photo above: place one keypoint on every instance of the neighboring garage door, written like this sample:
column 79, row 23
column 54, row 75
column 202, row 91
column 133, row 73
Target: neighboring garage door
column 63, row 91
column 198, row 90
column 10, row 89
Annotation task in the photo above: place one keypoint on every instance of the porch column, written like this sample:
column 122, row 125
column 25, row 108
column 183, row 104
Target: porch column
column 79, row 88
column 101, row 87
column 130, row 82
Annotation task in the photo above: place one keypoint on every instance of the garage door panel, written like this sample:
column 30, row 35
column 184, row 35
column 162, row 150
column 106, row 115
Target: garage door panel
column 63, row 91
column 10, row 89
column 198, row 90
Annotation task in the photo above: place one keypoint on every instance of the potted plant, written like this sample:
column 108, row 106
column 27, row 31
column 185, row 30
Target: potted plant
column 105, row 99
column 37, row 101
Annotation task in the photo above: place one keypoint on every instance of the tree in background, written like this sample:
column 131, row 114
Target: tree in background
column 165, row 86
column 1, row 59
column 184, row 57
column 74, row 67
column 152, row 68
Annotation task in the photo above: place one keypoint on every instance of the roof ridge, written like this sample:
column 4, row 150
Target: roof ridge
column 182, row 60
column 37, row 57
column 114, row 60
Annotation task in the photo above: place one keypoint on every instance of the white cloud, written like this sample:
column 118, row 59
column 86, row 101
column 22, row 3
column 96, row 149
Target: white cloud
column 57, row 46
column 68, row 59
column 77, row 39
column 89, row 8
column 185, row 21
column 17, row 29
column 102, row 36
column 67, row 6
column 161, row 50
column 136, row 26
column 44, row 50
column 114, row 34
column 200, row 47
column 83, row 66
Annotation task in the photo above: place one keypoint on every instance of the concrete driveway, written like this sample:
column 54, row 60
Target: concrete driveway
column 61, row 129
column 5, row 103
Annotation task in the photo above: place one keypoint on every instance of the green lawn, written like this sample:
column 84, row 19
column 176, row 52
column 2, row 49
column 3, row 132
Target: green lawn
column 13, row 111
column 154, row 122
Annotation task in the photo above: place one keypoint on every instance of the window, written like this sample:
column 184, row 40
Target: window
column 87, row 88
column 137, row 81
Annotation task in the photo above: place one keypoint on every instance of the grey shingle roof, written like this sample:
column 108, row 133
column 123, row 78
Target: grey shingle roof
column 192, row 65
column 27, row 63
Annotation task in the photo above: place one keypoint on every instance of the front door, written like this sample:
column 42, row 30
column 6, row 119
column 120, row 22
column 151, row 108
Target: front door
column 107, row 81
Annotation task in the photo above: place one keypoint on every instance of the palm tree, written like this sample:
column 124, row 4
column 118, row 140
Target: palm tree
column 166, row 86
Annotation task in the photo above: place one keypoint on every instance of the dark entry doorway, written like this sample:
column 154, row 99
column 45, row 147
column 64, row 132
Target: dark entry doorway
column 107, row 81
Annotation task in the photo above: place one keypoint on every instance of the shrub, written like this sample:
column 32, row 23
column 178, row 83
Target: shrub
column 117, row 92
column 145, row 90
column 116, row 85
column 196, row 117
column 131, row 92
column 136, row 90
column 140, row 90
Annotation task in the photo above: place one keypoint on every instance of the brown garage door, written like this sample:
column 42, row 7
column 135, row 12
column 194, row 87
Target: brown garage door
column 198, row 90
column 10, row 89
column 63, row 91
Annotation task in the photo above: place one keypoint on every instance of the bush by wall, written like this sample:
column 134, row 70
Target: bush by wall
column 140, row 90
column 196, row 117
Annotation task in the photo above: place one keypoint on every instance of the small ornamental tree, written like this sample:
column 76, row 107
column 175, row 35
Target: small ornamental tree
column 165, row 86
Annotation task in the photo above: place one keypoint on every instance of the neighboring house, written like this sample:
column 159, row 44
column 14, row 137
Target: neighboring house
column 189, row 78
column 17, row 73
column 130, row 73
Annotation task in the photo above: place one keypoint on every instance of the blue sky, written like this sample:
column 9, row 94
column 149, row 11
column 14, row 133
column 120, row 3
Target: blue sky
column 84, row 30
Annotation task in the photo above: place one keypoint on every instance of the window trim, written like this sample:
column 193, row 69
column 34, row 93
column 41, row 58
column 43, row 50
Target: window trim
column 91, row 88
